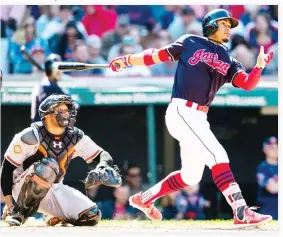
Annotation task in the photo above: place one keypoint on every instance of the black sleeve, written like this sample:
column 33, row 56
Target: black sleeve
column 176, row 48
column 7, row 177
column 103, row 159
column 235, row 67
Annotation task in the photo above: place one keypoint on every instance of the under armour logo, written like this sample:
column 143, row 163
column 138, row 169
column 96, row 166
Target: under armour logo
column 57, row 144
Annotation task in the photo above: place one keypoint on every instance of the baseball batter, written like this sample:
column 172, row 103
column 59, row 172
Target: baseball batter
column 204, row 65
column 37, row 160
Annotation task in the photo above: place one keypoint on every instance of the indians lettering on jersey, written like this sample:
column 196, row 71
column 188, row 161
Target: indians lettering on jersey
column 210, row 59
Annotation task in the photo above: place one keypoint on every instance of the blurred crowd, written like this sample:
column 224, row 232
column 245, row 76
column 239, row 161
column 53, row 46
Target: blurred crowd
column 97, row 34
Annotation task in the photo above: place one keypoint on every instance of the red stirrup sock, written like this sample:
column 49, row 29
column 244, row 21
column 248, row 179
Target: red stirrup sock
column 173, row 182
column 224, row 180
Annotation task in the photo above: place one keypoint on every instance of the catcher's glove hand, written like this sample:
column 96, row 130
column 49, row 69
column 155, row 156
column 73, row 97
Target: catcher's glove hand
column 107, row 176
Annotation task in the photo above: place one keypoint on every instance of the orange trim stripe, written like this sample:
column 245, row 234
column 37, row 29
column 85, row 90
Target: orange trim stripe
column 93, row 156
column 40, row 181
column 42, row 150
column 62, row 162
column 12, row 161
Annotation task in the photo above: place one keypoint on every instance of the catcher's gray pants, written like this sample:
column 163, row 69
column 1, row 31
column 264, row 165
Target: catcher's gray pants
column 61, row 200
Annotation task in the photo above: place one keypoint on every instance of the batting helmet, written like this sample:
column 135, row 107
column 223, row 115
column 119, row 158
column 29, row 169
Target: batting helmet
column 52, row 58
column 47, row 107
column 209, row 24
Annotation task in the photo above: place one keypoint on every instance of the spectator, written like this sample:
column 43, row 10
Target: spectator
column 26, row 37
column 167, row 204
column 237, row 11
column 4, row 63
column 50, row 12
column 13, row 17
column 98, row 20
column 250, row 13
column 133, row 179
column 128, row 44
column 92, row 193
column 39, row 56
column 119, row 208
column 195, row 29
column 241, row 50
column 168, row 16
column 2, row 203
column 273, row 10
column 82, row 54
column 78, row 13
column 94, row 45
column 163, row 38
column 57, row 25
column 139, row 14
column 263, row 33
column 68, row 41
column 55, row 28
column 190, row 204
column 267, row 178
column 273, row 65
column 115, row 36
column 178, row 26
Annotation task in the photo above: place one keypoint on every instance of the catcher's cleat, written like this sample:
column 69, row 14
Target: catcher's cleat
column 250, row 218
column 149, row 209
column 55, row 221
column 15, row 219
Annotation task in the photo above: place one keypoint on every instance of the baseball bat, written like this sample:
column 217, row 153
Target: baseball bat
column 31, row 59
column 76, row 66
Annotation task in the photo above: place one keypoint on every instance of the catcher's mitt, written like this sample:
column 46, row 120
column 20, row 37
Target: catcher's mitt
column 107, row 176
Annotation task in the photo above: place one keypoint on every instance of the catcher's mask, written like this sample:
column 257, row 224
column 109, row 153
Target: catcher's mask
column 48, row 107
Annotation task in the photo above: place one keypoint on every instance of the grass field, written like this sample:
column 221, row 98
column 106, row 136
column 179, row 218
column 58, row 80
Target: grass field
column 137, row 228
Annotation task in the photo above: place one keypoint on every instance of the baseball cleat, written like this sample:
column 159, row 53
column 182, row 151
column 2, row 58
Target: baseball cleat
column 148, row 209
column 54, row 221
column 251, row 218
column 14, row 220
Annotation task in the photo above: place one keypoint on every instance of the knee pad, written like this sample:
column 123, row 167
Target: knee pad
column 89, row 217
column 191, row 178
column 47, row 169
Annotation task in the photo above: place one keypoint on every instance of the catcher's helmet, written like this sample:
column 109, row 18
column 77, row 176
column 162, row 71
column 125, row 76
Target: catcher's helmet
column 47, row 107
column 209, row 24
column 52, row 58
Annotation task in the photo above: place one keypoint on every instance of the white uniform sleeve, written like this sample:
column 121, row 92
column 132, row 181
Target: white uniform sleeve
column 18, row 151
column 87, row 149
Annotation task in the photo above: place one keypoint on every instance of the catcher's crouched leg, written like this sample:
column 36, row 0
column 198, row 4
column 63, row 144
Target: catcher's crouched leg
column 33, row 190
column 89, row 217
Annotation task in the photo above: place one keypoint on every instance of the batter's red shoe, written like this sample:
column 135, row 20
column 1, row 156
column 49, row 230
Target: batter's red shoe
column 148, row 209
column 251, row 218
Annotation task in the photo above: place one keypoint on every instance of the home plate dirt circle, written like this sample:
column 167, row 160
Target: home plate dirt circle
column 136, row 228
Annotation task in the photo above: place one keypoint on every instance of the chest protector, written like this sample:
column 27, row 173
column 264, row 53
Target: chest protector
column 60, row 148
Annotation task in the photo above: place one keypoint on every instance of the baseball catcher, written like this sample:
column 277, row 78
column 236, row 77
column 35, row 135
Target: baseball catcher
column 204, row 66
column 37, row 160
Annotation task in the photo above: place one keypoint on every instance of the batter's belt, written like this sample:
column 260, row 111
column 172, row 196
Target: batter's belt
column 190, row 104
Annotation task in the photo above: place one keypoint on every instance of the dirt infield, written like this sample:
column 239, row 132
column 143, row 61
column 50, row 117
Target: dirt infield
column 137, row 228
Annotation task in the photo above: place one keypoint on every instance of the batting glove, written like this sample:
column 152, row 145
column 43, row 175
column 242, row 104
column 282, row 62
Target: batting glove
column 120, row 63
